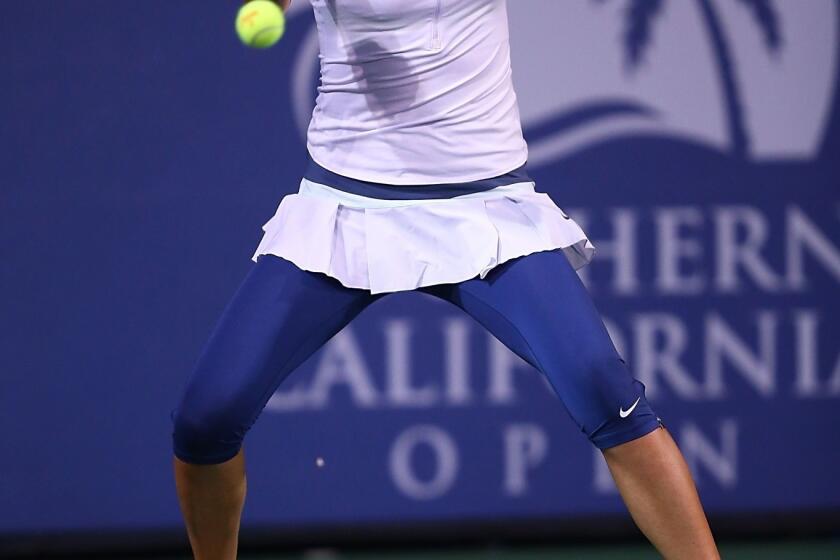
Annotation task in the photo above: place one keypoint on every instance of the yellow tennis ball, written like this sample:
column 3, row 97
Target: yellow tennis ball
column 260, row 23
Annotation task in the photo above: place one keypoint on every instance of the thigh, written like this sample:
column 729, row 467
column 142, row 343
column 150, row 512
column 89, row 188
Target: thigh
column 538, row 307
column 277, row 318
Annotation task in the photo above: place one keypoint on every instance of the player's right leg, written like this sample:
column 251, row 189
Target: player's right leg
column 279, row 316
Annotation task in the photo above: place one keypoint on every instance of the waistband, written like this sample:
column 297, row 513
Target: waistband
column 318, row 174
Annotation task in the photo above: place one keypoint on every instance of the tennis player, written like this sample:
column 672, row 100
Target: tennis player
column 416, row 180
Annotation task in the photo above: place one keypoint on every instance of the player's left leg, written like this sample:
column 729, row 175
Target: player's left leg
column 539, row 308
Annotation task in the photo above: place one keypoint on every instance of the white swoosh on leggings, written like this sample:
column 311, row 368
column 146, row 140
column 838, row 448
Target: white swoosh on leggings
column 625, row 413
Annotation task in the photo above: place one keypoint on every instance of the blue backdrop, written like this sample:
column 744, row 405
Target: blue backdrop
column 143, row 147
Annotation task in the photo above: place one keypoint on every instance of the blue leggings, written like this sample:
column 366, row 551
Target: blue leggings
column 536, row 305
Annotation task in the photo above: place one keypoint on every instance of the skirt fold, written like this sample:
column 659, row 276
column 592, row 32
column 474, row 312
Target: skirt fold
column 399, row 246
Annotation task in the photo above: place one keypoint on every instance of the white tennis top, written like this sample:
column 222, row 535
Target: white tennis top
column 415, row 92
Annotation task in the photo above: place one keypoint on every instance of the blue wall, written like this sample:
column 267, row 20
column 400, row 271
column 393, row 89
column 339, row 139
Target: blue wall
column 143, row 147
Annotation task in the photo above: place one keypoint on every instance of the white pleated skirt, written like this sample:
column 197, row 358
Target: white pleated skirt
column 397, row 245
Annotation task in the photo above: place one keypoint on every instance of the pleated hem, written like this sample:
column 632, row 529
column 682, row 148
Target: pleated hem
column 400, row 248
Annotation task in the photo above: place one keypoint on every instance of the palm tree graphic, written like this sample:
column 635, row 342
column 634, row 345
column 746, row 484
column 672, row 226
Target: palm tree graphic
column 637, row 37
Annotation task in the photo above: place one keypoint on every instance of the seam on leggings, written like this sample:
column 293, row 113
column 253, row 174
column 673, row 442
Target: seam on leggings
column 539, row 365
column 517, row 331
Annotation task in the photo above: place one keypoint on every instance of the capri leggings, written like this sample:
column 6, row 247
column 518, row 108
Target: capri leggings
column 536, row 305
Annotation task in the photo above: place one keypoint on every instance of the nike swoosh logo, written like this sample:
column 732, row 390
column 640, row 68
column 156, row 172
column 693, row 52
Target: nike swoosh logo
column 625, row 413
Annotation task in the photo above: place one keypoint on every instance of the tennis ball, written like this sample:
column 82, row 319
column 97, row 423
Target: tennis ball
column 260, row 23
